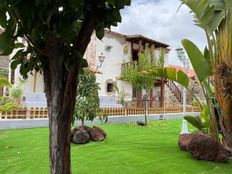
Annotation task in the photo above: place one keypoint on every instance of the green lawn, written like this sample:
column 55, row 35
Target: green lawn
column 128, row 149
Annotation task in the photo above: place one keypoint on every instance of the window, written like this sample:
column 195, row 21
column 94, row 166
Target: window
column 134, row 93
column 135, row 55
column 110, row 87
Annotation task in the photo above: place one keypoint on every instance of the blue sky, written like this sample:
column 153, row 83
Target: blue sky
column 159, row 20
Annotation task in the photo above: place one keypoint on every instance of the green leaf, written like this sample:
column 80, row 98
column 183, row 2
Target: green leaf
column 172, row 74
column 4, row 42
column 219, row 4
column 204, row 116
column 3, row 17
column 195, row 121
column 207, row 16
column 228, row 4
column 182, row 78
column 199, row 63
column 84, row 63
column 122, row 3
column 76, row 3
column 112, row 2
column 207, row 57
column 117, row 16
column 9, row 107
column 100, row 30
column 16, row 59
column 4, row 82
column 208, row 13
column 215, row 21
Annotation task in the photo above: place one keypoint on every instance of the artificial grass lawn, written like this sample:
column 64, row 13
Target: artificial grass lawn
column 128, row 149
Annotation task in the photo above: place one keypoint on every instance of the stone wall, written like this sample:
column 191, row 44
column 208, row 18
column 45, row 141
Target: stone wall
column 170, row 99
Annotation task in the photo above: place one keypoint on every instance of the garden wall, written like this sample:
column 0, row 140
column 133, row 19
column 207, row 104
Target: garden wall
column 43, row 122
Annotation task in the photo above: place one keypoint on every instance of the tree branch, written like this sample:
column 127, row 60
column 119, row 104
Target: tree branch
column 87, row 28
column 27, row 37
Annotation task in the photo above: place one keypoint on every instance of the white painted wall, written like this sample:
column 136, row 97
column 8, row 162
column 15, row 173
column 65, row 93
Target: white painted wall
column 111, row 67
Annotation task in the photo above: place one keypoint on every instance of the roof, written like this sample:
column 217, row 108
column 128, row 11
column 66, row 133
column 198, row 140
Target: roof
column 115, row 33
column 135, row 38
column 190, row 72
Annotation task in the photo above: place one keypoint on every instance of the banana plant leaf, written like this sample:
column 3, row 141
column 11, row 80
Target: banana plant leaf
column 196, row 122
column 172, row 74
column 199, row 62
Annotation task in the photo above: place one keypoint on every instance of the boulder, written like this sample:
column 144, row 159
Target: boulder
column 100, row 130
column 97, row 134
column 140, row 123
column 203, row 147
column 86, row 128
column 79, row 136
column 184, row 139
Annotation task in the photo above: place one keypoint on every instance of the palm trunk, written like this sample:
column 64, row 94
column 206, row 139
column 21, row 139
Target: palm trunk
column 225, row 103
column 223, row 76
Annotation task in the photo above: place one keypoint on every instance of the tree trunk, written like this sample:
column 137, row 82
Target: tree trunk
column 61, row 107
column 60, row 89
column 145, row 108
column 82, row 122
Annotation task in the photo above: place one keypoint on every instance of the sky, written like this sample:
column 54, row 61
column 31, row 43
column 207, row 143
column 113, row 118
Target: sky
column 160, row 20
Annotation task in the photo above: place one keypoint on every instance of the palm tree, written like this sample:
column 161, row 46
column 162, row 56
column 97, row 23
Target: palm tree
column 223, row 73
column 215, row 18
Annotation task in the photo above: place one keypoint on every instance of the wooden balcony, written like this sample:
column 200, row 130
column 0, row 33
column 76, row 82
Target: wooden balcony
column 125, row 65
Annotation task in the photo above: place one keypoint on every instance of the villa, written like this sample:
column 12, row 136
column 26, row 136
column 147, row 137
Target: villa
column 107, row 58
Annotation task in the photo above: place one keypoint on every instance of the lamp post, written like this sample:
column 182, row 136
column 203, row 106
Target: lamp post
column 181, row 56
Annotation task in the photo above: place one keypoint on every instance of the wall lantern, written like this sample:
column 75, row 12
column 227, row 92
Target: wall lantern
column 101, row 59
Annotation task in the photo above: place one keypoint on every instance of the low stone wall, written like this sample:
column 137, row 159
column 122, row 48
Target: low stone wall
column 34, row 123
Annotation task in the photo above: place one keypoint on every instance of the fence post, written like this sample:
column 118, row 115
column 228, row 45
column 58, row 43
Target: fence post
column 28, row 114
column 17, row 113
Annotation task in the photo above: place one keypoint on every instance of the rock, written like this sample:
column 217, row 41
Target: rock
column 184, row 140
column 80, row 136
column 140, row 123
column 100, row 130
column 203, row 147
column 97, row 134
column 86, row 128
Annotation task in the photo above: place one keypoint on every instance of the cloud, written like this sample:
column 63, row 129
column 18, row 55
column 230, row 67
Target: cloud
column 159, row 20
